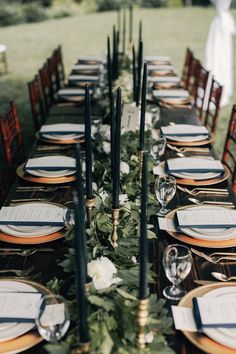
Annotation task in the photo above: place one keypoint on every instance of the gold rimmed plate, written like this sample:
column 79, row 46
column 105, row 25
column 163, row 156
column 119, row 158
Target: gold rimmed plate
column 180, row 236
column 44, row 180
column 60, row 142
column 29, row 339
column 200, row 340
column 207, row 141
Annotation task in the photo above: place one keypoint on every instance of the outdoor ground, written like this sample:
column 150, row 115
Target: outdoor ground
column 165, row 32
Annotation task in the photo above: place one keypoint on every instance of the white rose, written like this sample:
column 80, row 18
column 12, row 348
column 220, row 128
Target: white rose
column 101, row 271
column 134, row 259
column 149, row 337
column 123, row 198
column 106, row 147
column 124, row 167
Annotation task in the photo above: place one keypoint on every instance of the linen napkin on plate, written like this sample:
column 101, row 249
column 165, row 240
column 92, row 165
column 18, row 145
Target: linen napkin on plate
column 184, row 130
column 51, row 163
column 170, row 93
column 63, row 128
column 84, row 67
column 161, row 79
column 160, row 67
column 72, row 92
column 86, row 78
column 194, row 165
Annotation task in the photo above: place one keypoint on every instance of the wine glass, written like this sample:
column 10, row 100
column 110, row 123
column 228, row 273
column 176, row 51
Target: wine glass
column 158, row 148
column 177, row 262
column 53, row 318
column 69, row 214
column 165, row 188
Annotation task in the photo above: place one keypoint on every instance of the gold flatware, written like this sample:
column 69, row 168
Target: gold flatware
column 41, row 189
column 187, row 149
column 205, row 282
column 51, row 148
column 17, row 272
column 222, row 276
column 214, row 258
column 23, row 252
column 197, row 191
column 211, row 202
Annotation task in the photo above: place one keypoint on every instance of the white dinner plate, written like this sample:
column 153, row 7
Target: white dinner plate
column 186, row 138
column 196, row 176
column 209, row 234
column 62, row 136
column 225, row 336
column 32, row 231
column 43, row 173
column 11, row 330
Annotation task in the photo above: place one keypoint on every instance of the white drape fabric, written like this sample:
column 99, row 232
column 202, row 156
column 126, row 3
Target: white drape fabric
column 219, row 48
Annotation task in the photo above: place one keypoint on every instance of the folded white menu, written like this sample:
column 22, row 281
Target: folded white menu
column 170, row 93
column 206, row 218
column 51, row 163
column 162, row 79
column 194, row 165
column 184, row 130
column 87, row 78
column 31, row 216
column 214, row 312
column 156, row 58
column 62, row 128
column 18, row 306
column 160, row 67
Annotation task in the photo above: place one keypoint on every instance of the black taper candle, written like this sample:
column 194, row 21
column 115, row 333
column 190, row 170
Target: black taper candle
column 113, row 126
column 143, row 276
column 140, row 34
column 143, row 109
column 134, row 75
column 116, row 172
column 140, row 63
column 109, row 67
column 80, row 251
column 124, row 31
column 130, row 23
column 88, row 145
column 114, row 59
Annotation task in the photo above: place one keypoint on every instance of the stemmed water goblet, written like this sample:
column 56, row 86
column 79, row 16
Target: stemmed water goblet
column 165, row 188
column 177, row 262
column 53, row 318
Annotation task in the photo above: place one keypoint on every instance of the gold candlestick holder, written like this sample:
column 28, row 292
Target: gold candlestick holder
column 88, row 286
column 115, row 221
column 90, row 202
column 83, row 348
column 142, row 318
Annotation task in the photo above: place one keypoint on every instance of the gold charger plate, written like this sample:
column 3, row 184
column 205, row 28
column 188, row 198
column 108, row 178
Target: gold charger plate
column 159, row 62
column 46, row 180
column 194, row 241
column 29, row 339
column 76, row 99
column 167, row 85
column 31, row 240
column 162, row 73
column 175, row 101
column 206, row 182
column 207, row 141
column 200, row 340
column 60, row 142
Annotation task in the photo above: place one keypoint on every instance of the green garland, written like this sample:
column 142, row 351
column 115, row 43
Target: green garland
column 112, row 311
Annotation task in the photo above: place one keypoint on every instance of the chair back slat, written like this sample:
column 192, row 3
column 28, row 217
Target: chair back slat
column 36, row 101
column 47, row 87
column 58, row 58
column 199, row 86
column 229, row 154
column 213, row 106
column 12, row 140
column 187, row 69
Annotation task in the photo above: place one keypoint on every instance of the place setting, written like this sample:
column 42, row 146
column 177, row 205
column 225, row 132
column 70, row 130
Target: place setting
column 62, row 133
column 175, row 97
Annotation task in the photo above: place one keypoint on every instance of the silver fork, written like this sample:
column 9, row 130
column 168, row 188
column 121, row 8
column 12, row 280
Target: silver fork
column 17, row 272
column 212, row 258
column 197, row 191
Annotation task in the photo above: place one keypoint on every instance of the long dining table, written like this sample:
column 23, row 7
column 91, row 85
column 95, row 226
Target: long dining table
column 46, row 265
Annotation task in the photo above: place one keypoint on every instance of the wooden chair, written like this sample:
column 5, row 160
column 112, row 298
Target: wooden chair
column 57, row 55
column 186, row 74
column 213, row 106
column 47, row 87
column 198, row 91
column 36, row 101
column 229, row 153
column 12, row 140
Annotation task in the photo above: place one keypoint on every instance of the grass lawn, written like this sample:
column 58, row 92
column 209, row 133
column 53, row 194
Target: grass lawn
column 166, row 32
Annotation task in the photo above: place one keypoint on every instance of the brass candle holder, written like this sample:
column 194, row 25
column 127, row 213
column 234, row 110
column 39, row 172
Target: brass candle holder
column 88, row 286
column 90, row 202
column 142, row 318
column 115, row 221
column 83, row 348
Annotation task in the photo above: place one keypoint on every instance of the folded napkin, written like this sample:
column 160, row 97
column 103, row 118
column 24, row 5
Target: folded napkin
column 184, row 130
column 212, row 312
column 194, row 165
column 206, row 218
column 86, row 78
column 62, row 128
column 156, row 58
column 72, row 92
column 170, row 93
column 32, row 216
column 160, row 67
column 161, row 79
column 51, row 163
column 84, row 67
column 19, row 307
